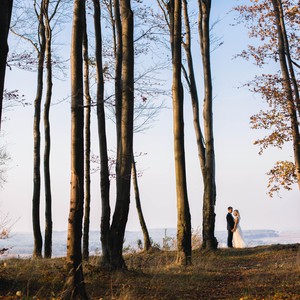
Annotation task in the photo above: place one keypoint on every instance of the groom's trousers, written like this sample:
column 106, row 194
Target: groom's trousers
column 229, row 238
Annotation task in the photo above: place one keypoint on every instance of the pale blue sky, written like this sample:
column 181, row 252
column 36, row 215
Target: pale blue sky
column 241, row 180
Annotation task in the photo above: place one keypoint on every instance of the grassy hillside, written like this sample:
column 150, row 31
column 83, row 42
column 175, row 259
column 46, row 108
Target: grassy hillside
column 267, row 272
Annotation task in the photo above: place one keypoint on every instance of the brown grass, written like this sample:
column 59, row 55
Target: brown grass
column 268, row 272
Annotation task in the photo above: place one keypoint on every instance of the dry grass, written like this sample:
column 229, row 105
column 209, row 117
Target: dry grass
column 268, row 272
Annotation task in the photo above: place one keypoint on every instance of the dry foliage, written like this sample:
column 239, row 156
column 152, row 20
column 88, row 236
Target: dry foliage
column 268, row 272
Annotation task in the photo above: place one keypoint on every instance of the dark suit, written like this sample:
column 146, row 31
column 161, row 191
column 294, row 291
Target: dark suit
column 230, row 225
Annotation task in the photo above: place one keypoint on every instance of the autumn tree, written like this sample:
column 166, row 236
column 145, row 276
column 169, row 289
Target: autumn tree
column 74, row 285
column 275, row 25
column 5, row 16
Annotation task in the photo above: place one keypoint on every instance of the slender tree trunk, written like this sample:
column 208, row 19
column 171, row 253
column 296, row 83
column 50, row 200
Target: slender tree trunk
column 87, row 150
column 74, row 286
column 288, row 56
column 184, row 246
column 288, row 90
column 147, row 242
column 38, row 242
column 5, row 16
column 104, row 171
column 124, row 177
column 48, row 197
column 209, row 197
column 118, row 83
column 190, row 78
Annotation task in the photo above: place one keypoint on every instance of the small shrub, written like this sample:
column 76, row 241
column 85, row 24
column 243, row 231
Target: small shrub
column 196, row 238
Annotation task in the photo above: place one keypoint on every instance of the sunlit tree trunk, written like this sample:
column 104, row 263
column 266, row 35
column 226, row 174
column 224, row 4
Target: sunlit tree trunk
column 287, row 85
column 48, row 197
column 124, row 175
column 5, row 16
column 104, row 170
column 38, row 242
column 117, row 29
column 87, row 150
column 184, row 247
column 74, row 286
column 280, row 18
column 147, row 242
column 209, row 197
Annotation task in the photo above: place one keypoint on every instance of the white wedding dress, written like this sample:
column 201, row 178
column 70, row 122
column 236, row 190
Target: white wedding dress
column 238, row 239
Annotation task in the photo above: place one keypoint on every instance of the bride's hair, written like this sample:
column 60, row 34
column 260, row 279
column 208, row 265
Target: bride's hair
column 238, row 213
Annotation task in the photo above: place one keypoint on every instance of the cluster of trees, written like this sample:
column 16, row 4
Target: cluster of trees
column 274, row 27
column 274, row 22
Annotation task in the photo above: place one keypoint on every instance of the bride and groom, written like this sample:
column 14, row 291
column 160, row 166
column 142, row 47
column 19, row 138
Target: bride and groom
column 235, row 235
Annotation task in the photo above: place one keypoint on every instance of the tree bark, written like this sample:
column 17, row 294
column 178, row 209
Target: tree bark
column 184, row 246
column 38, row 242
column 87, row 150
column 49, row 84
column 190, row 78
column 74, row 286
column 5, row 16
column 288, row 56
column 209, row 197
column 124, row 175
column 118, row 76
column 104, row 171
column 287, row 85
column 147, row 242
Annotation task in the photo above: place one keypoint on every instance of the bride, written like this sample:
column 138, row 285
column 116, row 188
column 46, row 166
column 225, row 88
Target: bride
column 238, row 239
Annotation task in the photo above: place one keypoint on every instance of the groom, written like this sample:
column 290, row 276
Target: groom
column 230, row 225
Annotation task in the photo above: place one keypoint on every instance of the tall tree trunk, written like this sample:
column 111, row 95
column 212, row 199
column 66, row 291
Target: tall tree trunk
column 117, row 25
column 209, row 197
column 38, row 242
column 190, row 78
column 288, row 90
column 147, row 242
column 74, row 286
column 184, row 246
column 124, row 176
column 48, row 197
column 288, row 56
column 104, row 171
column 87, row 150
column 5, row 16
